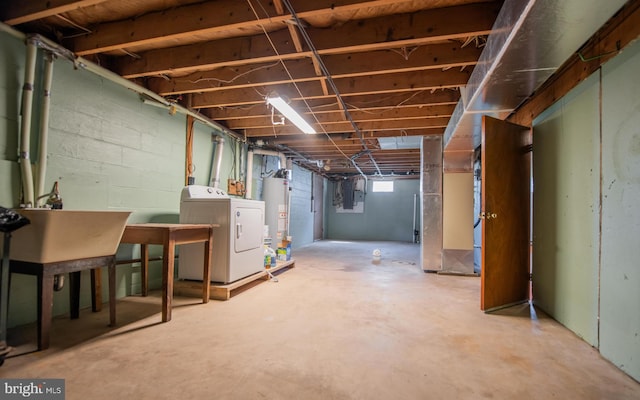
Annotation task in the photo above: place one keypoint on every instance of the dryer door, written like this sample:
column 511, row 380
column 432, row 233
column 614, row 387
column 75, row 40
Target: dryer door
column 247, row 228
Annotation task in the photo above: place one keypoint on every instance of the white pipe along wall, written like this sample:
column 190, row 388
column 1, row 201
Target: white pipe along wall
column 44, row 127
column 25, row 131
column 37, row 41
column 85, row 64
column 249, row 183
column 250, row 154
column 214, row 180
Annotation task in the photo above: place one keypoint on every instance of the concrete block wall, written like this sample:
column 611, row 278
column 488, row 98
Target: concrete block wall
column 11, row 71
column 107, row 150
column 301, row 224
column 386, row 216
column 301, row 217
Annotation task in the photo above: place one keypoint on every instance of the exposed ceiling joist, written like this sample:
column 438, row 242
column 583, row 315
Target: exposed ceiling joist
column 397, row 65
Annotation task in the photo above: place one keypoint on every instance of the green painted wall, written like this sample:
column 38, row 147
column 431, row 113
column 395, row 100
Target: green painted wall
column 586, row 217
column 386, row 216
column 11, row 71
column 620, row 270
column 107, row 150
column 565, row 205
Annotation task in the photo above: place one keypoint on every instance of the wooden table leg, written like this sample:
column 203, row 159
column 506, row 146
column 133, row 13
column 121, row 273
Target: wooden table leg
column 167, row 279
column 45, row 312
column 144, row 268
column 206, row 273
column 112, row 293
column 96, row 290
column 74, row 294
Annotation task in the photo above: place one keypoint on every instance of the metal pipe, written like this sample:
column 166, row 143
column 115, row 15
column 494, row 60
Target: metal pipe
column 415, row 200
column 249, row 183
column 353, row 161
column 242, row 173
column 113, row 77
column 250, row 154
column 236, row 160
column 329, row 79
column 281, row 156
column 288, row 215
column 214, row 180
column 44, row 126
column 295, row 153
column 11, row 31
column 25, row 129
column 85, row 64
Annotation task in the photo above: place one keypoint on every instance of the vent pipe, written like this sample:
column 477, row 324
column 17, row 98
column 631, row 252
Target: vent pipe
column 250, row 154
column 214, row 181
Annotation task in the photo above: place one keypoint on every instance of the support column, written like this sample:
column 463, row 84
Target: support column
column 431, row 202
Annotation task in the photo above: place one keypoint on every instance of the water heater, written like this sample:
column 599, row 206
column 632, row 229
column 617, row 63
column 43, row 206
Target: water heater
column 275, row 194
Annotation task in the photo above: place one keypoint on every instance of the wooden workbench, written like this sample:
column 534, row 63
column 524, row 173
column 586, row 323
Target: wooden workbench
column 167, row 235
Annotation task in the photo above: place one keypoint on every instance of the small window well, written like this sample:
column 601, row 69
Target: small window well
column 382, row 186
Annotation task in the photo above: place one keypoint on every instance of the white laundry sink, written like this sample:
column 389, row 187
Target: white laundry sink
column 63, row 235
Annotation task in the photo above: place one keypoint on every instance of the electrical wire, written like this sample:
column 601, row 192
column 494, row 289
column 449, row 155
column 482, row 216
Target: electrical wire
column 329, row 79
column 297, row 87
column 75, row 25
column 229, row 80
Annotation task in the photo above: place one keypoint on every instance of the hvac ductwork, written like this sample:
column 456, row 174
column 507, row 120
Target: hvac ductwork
column 530, row 40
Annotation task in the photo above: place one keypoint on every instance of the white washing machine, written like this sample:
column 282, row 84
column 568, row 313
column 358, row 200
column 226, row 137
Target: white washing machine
column 237, row 243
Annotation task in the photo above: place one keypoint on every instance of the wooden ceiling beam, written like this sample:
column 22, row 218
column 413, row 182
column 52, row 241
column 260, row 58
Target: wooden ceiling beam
column 16, row 12
column 433, row 56
column 357, row 115
column 295, row 139
column 407, row 132
column 326, row 154
column 328, row 147
column 380, row 84
column 199, row 19
column 152, row 29
column 378, row 126
column 400, row 99
column 209, row 55
column 395, row 31
column 373, row 102
column 426, row 26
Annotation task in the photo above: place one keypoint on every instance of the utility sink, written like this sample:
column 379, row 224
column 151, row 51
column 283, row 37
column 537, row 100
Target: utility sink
column 63, row 235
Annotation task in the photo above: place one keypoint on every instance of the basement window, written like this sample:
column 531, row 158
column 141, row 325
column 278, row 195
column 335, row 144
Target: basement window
column 382, row 186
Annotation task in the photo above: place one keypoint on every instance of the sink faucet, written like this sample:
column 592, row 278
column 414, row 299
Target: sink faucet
column 54, row 199
column 55, row 202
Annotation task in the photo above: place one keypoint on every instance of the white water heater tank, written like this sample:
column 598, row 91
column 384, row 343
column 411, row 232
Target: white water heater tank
column 275, row 194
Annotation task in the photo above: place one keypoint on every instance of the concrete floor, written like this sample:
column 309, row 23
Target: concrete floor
column 337, row 326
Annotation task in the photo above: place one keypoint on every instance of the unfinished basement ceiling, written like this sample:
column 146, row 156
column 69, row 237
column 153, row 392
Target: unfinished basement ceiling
column 397, row 66
column 367, row 75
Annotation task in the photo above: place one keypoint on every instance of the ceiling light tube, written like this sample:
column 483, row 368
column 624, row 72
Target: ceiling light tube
column 289, row 113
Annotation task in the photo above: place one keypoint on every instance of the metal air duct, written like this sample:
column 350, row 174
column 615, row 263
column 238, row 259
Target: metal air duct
column 530, row 40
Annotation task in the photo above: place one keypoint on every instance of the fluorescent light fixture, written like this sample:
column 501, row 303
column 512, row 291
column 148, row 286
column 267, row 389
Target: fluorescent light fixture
column 289, row 113
column 400, row 142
